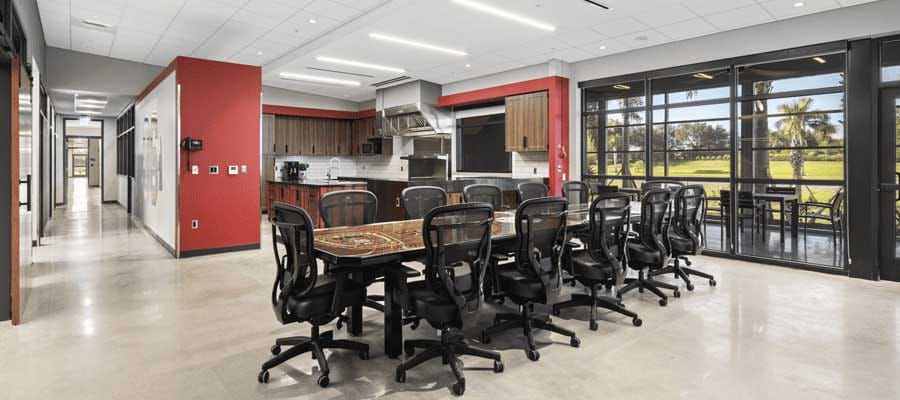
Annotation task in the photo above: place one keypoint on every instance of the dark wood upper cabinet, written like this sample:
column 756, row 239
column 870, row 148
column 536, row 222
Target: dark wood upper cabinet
column 527, row 122
column 284, row 135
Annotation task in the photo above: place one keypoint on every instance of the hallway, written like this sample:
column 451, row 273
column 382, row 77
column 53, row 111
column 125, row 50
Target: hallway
column 111, row 315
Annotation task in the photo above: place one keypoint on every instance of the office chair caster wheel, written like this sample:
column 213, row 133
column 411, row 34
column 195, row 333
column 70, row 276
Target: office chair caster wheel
column 276, row 350
column 498, row 366
column 712, row 282
column 533, row 355
column 663, row 302
column 485, row 338
column 363, row 355
column 323, row 381
column 637, row 321
column 676, row 294
column 690, row 287
column 458, row 388
column 575, row 342
column 400, row 377
column 263, row 377
column 594, row 325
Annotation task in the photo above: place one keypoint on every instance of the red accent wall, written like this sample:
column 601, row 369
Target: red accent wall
column 558, row 93
column 220, row 104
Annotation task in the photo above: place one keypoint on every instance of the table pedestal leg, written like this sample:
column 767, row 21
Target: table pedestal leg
column 354, row 327
column 393, row 315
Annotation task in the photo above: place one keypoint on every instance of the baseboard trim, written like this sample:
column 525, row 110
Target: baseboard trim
column 219, row 250
column 110, row 201
column 159, row 240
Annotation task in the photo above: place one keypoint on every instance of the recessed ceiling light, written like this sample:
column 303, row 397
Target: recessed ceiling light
column 622, row 87
column 468, row 65
column 91, row 101
column 90, row 106
column 799, row 4
column 487, row 9
column 819, row 60
column 95, row 23
column 317, row 79
column 602, row 47
column 90, row 112
column 427, row 46
column 259, row 53
column 360, row 64
column 703, row 76
column 312, row 21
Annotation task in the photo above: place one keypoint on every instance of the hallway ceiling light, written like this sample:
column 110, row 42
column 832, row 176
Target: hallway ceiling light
column 488, row 9
column 703, row 76
column 88, row 112
column 90, row 105
column 360, row 64
column 317, row 79
column 412, row 43
column 622, row 87
column 91, row 101
column 819, row 60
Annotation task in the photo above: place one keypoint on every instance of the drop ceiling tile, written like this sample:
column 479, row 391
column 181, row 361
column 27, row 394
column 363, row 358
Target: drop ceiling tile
column 147, row 21
column 569, row 55
column 91, row 41
column 165, row 7
column 55, row 6
column 299, row 27
column 665, row 15
column 577, row 36
column 133, row 45
column 740, row 17
column 846, row 3
column 688, row 29
column 56, row 28
column 643, row 39
column 360, row 4
column 228, row 40
column 620, row 27
column 108, row 11
column 706, row 7
column 606, row 47
column 781, row 9
column 331, row 9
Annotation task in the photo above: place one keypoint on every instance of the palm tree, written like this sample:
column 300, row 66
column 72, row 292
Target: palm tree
column 798, row 126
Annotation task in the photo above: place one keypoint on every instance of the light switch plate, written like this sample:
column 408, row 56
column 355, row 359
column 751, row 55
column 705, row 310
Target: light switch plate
column 232, row 170
column 243, row 169
column 195, row 169
column 213, row 169
column 195, row 224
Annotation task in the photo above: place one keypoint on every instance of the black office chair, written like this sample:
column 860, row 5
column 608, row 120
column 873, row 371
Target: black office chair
column 576, row 192
column 541, row 235
column 660, row 184
column 649, row 250
column 531, row 190
column 685, row 235
column 348, row 208
column 604, row 258
column 481, row 193
column 457, row 244
column 417, row 201
column 600, row 188
column 300, row 294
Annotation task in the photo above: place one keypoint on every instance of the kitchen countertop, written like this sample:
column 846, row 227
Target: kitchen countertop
column 317, row 182
column 456, row 185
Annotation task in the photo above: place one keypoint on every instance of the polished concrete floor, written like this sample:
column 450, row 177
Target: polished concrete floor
column 111, row 316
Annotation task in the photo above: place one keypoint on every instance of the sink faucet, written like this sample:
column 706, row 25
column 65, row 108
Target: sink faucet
column 331, row 166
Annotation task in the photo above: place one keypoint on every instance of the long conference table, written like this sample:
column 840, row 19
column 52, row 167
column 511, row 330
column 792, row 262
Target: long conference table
column 384, row 246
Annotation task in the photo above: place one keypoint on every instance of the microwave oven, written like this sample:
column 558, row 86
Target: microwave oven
column 373, row 147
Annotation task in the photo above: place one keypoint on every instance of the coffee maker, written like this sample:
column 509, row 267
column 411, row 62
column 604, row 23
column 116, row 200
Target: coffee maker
column 294, row 170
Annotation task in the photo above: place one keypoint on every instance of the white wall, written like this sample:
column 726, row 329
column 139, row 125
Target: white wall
column 72, row 70
column 109, row 154
column 282, row 97
column 156, row 159
column 862, row 21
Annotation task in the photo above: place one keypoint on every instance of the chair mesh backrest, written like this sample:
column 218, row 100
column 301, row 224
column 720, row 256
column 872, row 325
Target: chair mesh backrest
column 690, row 207
column 609, row 217
column 598, row 188
column 481, row 193
column 457, row 246
column 296, row 269
column 654, row 209
column 541, row 235
column 781, row 190
column 661, row 184
column 417, row 201
column 348, row 208
column 576, row 192
column 531, row 190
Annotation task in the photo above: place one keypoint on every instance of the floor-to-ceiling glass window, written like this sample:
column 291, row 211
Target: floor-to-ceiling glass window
column 766, row 140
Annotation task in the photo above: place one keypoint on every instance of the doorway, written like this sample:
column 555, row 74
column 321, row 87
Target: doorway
column 82, row 161
column 889, row 193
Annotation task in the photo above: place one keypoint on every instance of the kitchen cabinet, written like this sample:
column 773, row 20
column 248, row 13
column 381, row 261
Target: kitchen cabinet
column 303, row 136
column 305, row 196
column 362, row 130
column 527, row 122
column 268, row 174
column 388, row 194
column 268, row 134
column 281, row 136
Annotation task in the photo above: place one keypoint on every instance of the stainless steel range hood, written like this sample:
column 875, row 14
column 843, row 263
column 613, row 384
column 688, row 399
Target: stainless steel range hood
column 411, row 109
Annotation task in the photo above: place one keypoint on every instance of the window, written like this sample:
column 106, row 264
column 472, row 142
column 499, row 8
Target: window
column 890, row 61
column 481, row 145
column 616, row 132
column 125, row 143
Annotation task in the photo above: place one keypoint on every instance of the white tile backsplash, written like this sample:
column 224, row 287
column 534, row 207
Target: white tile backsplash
column 383, row 167
column 524, row 165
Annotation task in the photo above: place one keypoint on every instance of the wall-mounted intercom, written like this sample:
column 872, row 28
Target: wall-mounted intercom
column 190, row 145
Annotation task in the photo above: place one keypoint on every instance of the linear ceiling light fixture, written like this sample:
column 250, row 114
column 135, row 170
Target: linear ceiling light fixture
column 317, row 79
column 87, row 112
column 421, row 45
column 701, row 75
column 819, row 60
column 94, row 23
column 487, row 9
column 89, row 105
column 622, row 87
column 90, row 101
column 360, row 64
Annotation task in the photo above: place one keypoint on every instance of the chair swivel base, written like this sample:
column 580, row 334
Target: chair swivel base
column 449, row 348
column 316, row 344
column 593, row 301
column 684, row 273
column 528, row 322
column 640, row 283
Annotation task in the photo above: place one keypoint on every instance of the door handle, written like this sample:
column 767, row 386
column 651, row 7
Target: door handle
column 27, row 183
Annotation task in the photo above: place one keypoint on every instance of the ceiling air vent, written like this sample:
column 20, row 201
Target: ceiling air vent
column 390, row 81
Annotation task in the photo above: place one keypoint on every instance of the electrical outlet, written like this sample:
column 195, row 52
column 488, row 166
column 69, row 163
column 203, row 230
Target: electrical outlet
column 535, row 170
column 213, row 169
column 243, row 169
column 195, row 224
